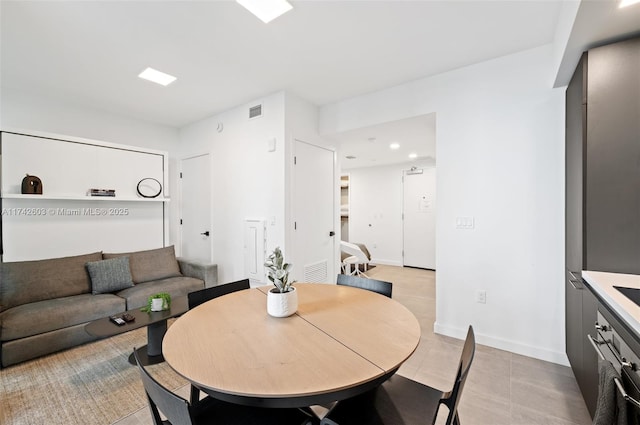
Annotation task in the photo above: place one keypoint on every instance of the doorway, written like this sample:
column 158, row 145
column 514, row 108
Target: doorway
column 419, row 217
column 375, row 158
column 313, row 213
column 195, row 208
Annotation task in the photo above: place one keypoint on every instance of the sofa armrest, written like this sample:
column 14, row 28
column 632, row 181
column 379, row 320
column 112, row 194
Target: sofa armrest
column 203, row 271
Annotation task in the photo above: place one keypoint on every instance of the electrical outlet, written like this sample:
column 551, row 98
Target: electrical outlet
column 481, row 297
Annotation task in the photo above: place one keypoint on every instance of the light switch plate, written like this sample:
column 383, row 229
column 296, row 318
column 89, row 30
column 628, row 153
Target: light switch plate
column 271, row 145
column 465, row 223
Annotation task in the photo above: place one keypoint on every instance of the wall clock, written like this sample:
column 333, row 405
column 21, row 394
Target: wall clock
column 149, row 187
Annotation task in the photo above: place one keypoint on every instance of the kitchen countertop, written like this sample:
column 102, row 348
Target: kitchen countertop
column 603, row 284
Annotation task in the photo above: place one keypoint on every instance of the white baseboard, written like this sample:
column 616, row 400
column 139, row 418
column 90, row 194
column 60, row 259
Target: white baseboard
column 504, row 344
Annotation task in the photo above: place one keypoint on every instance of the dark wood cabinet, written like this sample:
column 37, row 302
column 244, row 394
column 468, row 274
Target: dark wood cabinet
column 575, row 136
column 612, row 166
column 589, row 376
column 574, row 289
column 602, row 189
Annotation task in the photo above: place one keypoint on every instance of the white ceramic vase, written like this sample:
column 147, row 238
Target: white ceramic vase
column 282, row 304
column 157, row 304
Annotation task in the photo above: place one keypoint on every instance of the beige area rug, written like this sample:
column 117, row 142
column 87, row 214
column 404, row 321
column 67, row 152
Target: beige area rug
column 86, row 385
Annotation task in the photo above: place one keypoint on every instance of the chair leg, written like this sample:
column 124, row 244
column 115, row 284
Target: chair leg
column 155, row 413
column 456, row 421
column 195, row 395
column 358, row 273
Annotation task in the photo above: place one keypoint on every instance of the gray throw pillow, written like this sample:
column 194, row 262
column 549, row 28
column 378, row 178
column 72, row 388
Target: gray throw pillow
column 109, row 275
column 153, row 264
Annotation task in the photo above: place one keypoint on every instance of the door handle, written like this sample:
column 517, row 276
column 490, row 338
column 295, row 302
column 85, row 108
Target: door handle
column 573, row 283
column 332, row 233
column 205, row 233
column 573, row 280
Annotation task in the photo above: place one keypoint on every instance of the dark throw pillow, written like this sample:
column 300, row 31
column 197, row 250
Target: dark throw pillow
column 109, row 275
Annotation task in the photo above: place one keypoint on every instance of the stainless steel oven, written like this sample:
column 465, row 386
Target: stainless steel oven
column 610, row 344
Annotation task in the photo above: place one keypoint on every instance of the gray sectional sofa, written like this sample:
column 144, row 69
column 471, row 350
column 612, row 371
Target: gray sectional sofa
column 45, row 304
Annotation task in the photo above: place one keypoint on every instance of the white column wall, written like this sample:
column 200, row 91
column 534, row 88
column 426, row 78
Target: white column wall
column 500, row 159
column 248, row 181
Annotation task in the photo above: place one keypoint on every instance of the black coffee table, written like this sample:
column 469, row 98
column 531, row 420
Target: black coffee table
column 156, row 323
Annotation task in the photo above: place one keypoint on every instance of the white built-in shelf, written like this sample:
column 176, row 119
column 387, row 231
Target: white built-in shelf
column 83, row 198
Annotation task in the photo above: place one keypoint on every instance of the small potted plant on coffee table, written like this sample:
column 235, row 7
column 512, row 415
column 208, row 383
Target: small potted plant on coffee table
column 158, row 302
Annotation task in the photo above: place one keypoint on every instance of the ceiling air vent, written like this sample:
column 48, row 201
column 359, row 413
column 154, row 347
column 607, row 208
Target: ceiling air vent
column 255, row 111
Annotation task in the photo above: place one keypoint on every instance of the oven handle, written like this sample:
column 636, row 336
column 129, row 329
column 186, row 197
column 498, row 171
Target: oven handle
column 624, row 394
column 595, row 344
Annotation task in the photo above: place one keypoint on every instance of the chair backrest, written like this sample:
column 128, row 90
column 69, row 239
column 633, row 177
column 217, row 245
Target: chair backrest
column 198, row 297
column 354, row 250
column 175, row 408
column 452, row 398
column 379, row 286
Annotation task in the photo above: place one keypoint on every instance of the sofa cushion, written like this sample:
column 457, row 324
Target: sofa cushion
column 150, row 265
column 175, row 286
column 44, row 316
column 25, row 282
column 109, row 275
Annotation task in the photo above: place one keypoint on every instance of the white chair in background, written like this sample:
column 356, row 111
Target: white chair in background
column 356, row 258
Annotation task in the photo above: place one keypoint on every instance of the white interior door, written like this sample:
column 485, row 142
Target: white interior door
column 419, row 213
column 313, row 213
column 195, row 185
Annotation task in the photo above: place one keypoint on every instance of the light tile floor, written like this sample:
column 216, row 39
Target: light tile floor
column 502, row 388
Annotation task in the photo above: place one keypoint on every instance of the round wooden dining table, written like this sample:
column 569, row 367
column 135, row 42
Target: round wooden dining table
column 342, row 341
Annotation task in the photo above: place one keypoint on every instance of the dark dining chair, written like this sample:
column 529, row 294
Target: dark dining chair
column 402, row 401
column 179, row 411
column 196, row 298
column 379, row 286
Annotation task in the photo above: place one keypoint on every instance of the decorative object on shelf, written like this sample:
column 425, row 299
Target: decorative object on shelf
column 102, row 192
column 157, row 302
column 282, row 301
column 31, row 185
column 149, row 187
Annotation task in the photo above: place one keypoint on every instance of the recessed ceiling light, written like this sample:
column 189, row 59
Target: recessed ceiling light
column 625, row 3
column 413, row 155
column 394, row 146
column 157, row 77
column 266, row 10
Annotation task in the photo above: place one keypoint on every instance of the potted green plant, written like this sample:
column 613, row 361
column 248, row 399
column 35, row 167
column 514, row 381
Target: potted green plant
column 282, row 300
column 158, row 302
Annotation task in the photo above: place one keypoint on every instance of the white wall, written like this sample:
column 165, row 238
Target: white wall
column 375, row 210
column 500, row 160
column 26, row 111
column 248, row 181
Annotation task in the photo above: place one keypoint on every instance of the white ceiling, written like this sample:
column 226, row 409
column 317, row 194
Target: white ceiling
column 370, row 145
column 90, row 52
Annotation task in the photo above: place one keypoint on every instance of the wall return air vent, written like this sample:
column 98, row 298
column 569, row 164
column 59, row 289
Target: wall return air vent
column 255, row 111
